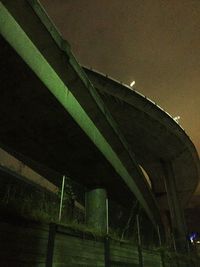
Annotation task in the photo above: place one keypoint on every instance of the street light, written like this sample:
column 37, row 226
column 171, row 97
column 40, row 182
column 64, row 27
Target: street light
column 132, row 83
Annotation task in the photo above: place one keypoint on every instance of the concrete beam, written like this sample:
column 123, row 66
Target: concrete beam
column 17, row 168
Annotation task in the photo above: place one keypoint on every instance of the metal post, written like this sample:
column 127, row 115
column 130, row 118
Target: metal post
column 107, row 218
column 138, row 229
column 61, row 198
column 174, row 242
column 107, row 241
column 139, row 242
column 159, row 237
column 160, row 244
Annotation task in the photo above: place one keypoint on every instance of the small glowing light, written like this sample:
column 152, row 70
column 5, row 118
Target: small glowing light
column 177, row 118
column 192, row 237
column 132, row 83
column 198, row 242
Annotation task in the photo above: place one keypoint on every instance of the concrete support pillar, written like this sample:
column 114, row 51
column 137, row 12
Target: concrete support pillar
column 176, row 211
column 96, row 213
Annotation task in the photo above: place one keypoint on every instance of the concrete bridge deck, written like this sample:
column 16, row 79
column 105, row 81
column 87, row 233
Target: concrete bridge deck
column 87, row 125
column 51, row 112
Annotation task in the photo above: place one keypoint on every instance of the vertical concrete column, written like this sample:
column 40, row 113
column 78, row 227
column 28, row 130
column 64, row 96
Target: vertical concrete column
column 176, row 211
column 96, row 214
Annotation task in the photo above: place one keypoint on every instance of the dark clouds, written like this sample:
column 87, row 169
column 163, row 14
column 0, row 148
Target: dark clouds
column 155, row 42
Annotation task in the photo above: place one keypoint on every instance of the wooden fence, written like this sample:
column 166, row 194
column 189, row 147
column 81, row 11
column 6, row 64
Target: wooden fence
column 25, row 244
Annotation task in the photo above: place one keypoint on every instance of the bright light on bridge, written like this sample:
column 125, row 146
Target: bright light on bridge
column 132, row 83
column 177, row 118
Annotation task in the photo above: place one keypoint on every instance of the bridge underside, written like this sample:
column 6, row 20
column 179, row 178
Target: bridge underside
column 61, row 121
column 154, row 137
column 32, row 129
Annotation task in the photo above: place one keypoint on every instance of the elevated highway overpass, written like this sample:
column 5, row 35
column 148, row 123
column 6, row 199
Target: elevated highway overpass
column 153, row 135
column 51, row 112
column 80, row 122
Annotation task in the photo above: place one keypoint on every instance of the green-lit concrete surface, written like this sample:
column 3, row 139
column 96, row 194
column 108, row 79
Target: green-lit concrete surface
column 75, row 124
column 104, row 135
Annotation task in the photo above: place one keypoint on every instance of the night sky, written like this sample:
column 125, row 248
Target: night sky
column 154, row 42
